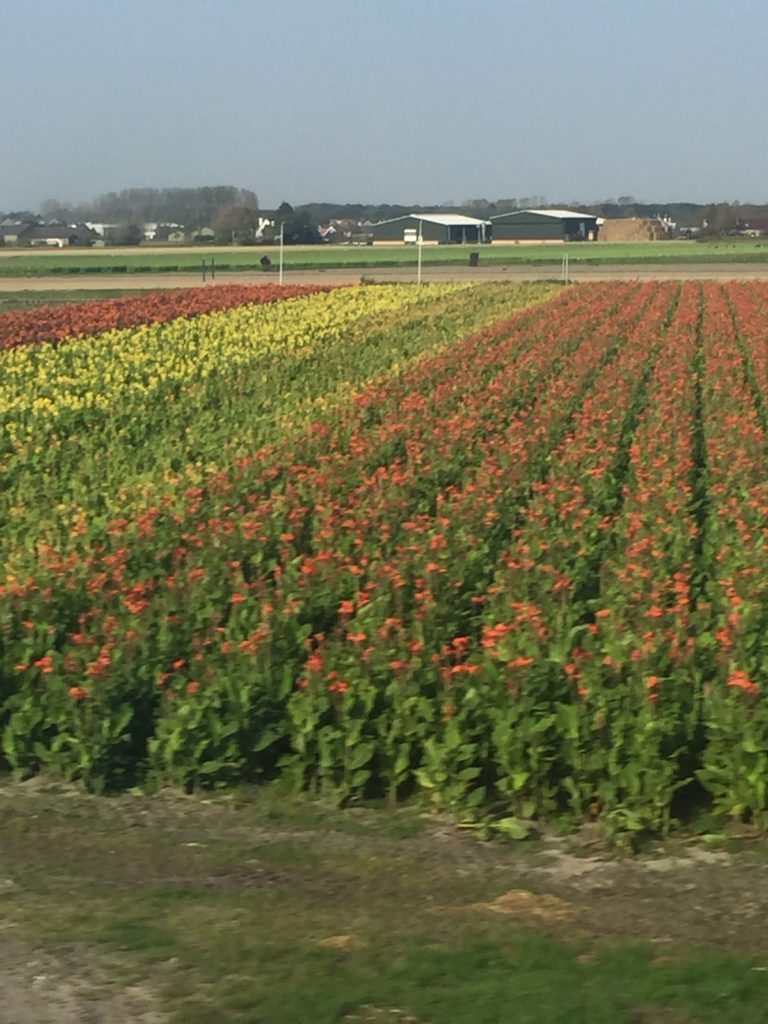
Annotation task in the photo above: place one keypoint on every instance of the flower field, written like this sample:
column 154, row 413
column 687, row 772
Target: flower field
column 503, row 547
column 58, row 323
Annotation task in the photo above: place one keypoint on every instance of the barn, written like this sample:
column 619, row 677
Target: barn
column 544, row 226
column 433, row 228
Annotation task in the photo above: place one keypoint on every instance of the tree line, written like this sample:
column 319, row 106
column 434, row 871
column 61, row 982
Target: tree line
column 234, row 215
column 194, row 208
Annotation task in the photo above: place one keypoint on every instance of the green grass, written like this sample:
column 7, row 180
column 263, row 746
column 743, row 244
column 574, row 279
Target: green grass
column 222, row 905
column 29, row 299
column 361, row 257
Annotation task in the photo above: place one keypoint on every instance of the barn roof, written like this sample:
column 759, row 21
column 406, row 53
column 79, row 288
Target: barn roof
column 51, row 231
column 555, row 214
column 446, row 219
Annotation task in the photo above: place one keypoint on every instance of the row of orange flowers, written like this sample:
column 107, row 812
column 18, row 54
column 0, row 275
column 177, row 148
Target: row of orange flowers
column 735, row 383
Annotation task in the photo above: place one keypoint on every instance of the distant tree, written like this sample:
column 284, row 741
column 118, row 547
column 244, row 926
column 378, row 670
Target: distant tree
column 235, row 224
column 192, row 207
column 126, row 234
column 54, row 209
column 721, row 219
column 23, row 216
column 299, row 228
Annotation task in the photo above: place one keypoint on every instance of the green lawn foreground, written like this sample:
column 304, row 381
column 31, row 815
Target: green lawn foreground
column 255, row 907
column 149, row 260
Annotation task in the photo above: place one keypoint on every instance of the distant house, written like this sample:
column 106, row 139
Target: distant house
column 12, row 232
column 544, row 226
column 755, row 227
column 53, row 235
column 161, row 231
column 264, row 224
column 101, row 229
column 430, row 228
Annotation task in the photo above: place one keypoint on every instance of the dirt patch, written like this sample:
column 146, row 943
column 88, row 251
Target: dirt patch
column 660, row 1015
column 377, row 1015
column 345, row 943
column 522, row 903
column 40, row 989
column 681, row 893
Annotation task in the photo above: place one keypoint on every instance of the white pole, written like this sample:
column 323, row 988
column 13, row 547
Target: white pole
column 419, row 244
column 282, row 233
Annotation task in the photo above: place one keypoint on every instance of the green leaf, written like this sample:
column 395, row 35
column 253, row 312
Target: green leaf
column 267, row 738
column 362, row 754
column 513, row 828
column 424, row 779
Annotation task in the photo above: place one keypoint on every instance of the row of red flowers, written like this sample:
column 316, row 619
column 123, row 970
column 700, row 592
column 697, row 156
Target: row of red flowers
column 70, row 320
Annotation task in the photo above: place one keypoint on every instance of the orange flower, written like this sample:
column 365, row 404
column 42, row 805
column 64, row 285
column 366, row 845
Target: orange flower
column 741, row 681
column 78, row 692
column 193, row 686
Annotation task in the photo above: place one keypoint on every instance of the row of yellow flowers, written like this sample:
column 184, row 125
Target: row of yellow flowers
column 39, row 385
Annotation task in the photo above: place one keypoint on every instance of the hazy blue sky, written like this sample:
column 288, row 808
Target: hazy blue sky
column 385, row 100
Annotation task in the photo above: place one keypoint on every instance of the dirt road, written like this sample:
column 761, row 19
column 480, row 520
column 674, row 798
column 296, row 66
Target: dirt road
column 605, row 272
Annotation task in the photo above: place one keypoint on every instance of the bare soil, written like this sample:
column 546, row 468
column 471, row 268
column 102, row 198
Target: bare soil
column 512, row 274
column 39, row 988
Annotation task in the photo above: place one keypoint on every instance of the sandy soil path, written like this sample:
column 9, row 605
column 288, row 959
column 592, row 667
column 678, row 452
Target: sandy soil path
column 636, row 271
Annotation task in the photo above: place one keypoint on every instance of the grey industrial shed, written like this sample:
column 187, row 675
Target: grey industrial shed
column 433, row 228
column 544, row 226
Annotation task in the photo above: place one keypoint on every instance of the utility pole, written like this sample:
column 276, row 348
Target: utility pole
column 282, row 243
column 419, row 244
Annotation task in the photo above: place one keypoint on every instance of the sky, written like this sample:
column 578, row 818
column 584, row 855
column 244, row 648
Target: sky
column 385, row 101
